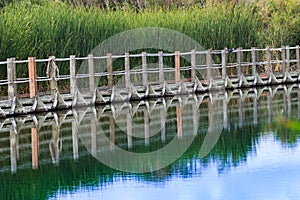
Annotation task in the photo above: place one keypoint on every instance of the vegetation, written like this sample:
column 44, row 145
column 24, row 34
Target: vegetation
column 62, row 28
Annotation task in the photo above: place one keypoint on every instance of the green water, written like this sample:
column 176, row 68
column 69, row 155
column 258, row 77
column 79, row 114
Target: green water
column 252, row 158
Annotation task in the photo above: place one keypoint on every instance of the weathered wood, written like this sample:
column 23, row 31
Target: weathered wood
column 283, row 60
column 109, row 70
column 179, row 121
column 146, row 127
column 288, row 58
column 177, row 66
column 13, row 151
column 298, row 57
column 253, row 60
column 35, row 148
column 161, row 67
column 75, row 140
column 11, row 78
column 112, row 132
column 129, row 130
column 72, row 75
column 32, row 77
column 224, row 63
column 91, row 72
column 268, row 58
column 239, row 62
column 127, row 71
column 208, row 64
column 163, row 124
column 93, row 137
column 52, row 73
column 193, row 65
column 144, row 68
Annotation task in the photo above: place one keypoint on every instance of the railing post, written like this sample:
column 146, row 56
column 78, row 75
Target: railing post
column 52, row 73
column 193, row 64
column 72, row 74
column 239, row 62
column 32, row 77
column 91, row 72
column 161, row 67
column 298, row 57
column 268, row 57
column 283, row 60
column 224, row 63
column 253, row 59
column 208, row 64
column 11, row 78
column 109, row 70
column 127, row 70
column 144, row 67
column 288, row 58
column 177, row 66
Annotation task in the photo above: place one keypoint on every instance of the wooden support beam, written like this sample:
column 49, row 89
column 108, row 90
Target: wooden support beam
column 32, row 77
column 13, row 151
column 163, row 124
column 288, row 64
column 253, row 60
column 93, row 137
column 144, row 68
column 75, row 140
column 127, row 71
column 112, row 132
column 283, row 58
column 208, row 64
column 146, row 126
column 193, row 65
column 179, row 121
column 91, row 72
column 224, row 62
column 109, row 61
column 35, row 148
column 298, row 57
column 177, row 66
column 161, row 67
column 11, row 78
column 129, row 130
column 239, row 62
column 72, row 74
column 268, row 58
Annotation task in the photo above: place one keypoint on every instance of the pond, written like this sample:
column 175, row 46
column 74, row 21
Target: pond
column 240, row 144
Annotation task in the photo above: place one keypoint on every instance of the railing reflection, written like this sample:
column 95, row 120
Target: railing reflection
column 143, row 119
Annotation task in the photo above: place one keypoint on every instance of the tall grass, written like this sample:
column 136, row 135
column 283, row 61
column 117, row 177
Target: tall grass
column 50, row 28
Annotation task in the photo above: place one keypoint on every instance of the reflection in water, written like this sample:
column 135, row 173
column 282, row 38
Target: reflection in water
column 253, row 152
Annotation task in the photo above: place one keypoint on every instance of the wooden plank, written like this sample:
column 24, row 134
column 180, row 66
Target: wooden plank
column 287, row 51
column 239, row 62
column 179, row 121
column 32, row 77
column 268, row 58
column 144, row 68
column 177, row 66
column 72, row 75
column 224, row 62
column 298, row 57
column 283, row 59
column 161, row 67
column 253, row 60
column 11, row 78
column 208, row 64
column 109, row 70
column 193, row 65
column 127, row 70
column 91, row 72
column 35, row 148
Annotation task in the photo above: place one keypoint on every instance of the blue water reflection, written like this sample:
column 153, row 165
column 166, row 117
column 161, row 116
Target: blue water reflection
column 255, row 157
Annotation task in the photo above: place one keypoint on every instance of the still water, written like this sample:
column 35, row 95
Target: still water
column 242, row 144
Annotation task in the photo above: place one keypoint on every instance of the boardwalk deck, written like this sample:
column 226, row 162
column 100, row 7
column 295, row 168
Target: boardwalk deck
column 247, row 68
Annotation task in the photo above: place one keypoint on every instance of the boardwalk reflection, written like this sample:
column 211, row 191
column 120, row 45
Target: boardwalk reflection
column 134, row 126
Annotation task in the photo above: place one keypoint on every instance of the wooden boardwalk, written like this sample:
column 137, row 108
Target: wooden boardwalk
column 227, row 69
